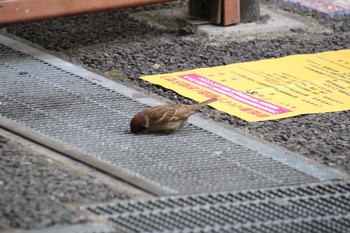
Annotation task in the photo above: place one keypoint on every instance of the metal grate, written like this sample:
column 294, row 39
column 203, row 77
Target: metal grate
column 314, row 208
column 83, row 116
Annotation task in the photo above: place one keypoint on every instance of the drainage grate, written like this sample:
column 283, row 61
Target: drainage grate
column 314, row 208
column 91, row 123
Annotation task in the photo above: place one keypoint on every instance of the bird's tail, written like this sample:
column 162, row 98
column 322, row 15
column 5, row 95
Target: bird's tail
column 202, row 104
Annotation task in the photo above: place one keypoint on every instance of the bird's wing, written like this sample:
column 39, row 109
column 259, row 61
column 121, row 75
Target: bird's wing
column 164, row 113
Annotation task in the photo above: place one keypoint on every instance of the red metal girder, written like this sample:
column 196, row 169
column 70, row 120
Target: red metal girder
column 15, row 11
column 230, row 12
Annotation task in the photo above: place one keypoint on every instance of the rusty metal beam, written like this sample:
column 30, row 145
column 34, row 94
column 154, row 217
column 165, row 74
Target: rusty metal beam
column 230, row 12
column 15, row 11
column 222, row 12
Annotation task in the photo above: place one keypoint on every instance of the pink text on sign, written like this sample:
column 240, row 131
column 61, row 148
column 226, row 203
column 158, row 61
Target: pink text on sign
column 235, row 94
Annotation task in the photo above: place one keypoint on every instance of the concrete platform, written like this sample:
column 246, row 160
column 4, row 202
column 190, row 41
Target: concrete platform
column 86, row 116
column 273, row 23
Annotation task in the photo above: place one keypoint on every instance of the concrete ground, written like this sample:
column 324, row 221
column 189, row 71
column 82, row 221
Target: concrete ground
column 40, row 188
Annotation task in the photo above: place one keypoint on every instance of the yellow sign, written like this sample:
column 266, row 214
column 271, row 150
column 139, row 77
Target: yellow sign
column 269, row 89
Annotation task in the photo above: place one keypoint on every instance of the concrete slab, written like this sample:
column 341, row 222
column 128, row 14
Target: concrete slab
column 273, row 23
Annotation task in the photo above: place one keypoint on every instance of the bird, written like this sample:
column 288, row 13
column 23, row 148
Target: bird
column 164, row 118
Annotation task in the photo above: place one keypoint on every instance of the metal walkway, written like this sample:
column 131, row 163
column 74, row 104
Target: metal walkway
column 310, row 209
column 88, row 120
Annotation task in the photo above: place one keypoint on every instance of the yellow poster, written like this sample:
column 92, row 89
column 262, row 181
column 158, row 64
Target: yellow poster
column 269, row 89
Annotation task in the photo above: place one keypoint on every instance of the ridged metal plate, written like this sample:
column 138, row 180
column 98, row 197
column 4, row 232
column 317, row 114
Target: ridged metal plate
column 91, row 123
column 310, row 209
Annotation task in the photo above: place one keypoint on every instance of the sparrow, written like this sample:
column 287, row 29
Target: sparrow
column 164, row 118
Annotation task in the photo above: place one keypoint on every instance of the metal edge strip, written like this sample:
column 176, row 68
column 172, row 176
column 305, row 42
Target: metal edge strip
column 83, row 157
column 95, row 227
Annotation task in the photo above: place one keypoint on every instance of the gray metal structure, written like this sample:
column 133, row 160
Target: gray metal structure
column 310, row 209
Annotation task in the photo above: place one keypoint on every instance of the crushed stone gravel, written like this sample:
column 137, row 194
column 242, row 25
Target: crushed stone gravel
column 114, row 41
column 37, row 192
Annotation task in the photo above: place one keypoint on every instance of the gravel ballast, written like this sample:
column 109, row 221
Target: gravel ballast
column 114, row 42
column 39, row 192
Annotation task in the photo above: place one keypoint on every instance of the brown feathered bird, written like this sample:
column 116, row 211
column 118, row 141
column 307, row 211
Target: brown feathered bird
column 164, row 118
